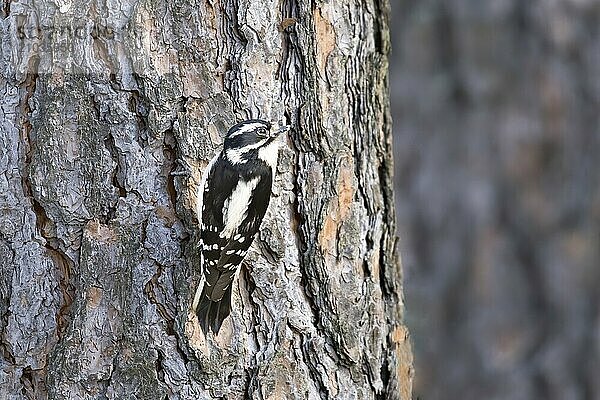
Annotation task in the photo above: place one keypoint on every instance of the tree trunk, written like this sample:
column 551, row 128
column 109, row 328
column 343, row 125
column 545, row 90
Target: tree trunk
column 102, row 103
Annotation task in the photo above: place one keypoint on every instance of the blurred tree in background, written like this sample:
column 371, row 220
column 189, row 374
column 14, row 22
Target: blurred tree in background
column 497, row 142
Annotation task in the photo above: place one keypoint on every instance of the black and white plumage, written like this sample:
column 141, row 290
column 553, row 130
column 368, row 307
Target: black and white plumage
column 231, row 202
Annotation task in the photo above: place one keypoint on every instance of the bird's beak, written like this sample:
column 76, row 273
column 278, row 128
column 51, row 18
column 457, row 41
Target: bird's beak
column 280, row 130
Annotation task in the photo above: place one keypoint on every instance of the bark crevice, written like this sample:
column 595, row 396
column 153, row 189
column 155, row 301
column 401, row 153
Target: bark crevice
column 5, row 351
column 233, row 47
column 149, row 290
column 45, row 226
column 117, row 177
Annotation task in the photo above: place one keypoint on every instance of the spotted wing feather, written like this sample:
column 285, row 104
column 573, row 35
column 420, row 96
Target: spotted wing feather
column 222, row 253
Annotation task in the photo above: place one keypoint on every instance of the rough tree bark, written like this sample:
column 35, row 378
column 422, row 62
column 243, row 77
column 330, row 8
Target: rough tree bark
column 97, row 255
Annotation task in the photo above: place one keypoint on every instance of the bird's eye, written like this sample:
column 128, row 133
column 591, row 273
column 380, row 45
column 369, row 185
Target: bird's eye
column 261, row 132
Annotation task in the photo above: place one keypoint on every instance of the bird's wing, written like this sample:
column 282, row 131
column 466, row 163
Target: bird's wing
column 242, row 216
column 231, row 210
column 217, row 184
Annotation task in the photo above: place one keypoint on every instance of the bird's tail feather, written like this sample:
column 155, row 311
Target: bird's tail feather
column 211, row 314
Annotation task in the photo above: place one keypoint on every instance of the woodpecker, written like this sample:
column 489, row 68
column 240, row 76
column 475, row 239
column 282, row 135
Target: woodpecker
column 231, row 202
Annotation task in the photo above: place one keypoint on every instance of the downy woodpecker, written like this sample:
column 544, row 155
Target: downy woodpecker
column 231, row 202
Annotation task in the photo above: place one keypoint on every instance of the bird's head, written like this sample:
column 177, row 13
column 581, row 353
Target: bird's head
column 246, row 139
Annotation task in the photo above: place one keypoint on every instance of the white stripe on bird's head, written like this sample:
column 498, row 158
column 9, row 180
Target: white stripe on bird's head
column 251, row 139
column 247, row 126
column 238, row 155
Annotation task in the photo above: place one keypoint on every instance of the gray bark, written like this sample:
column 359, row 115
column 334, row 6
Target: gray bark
column 97, row 237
